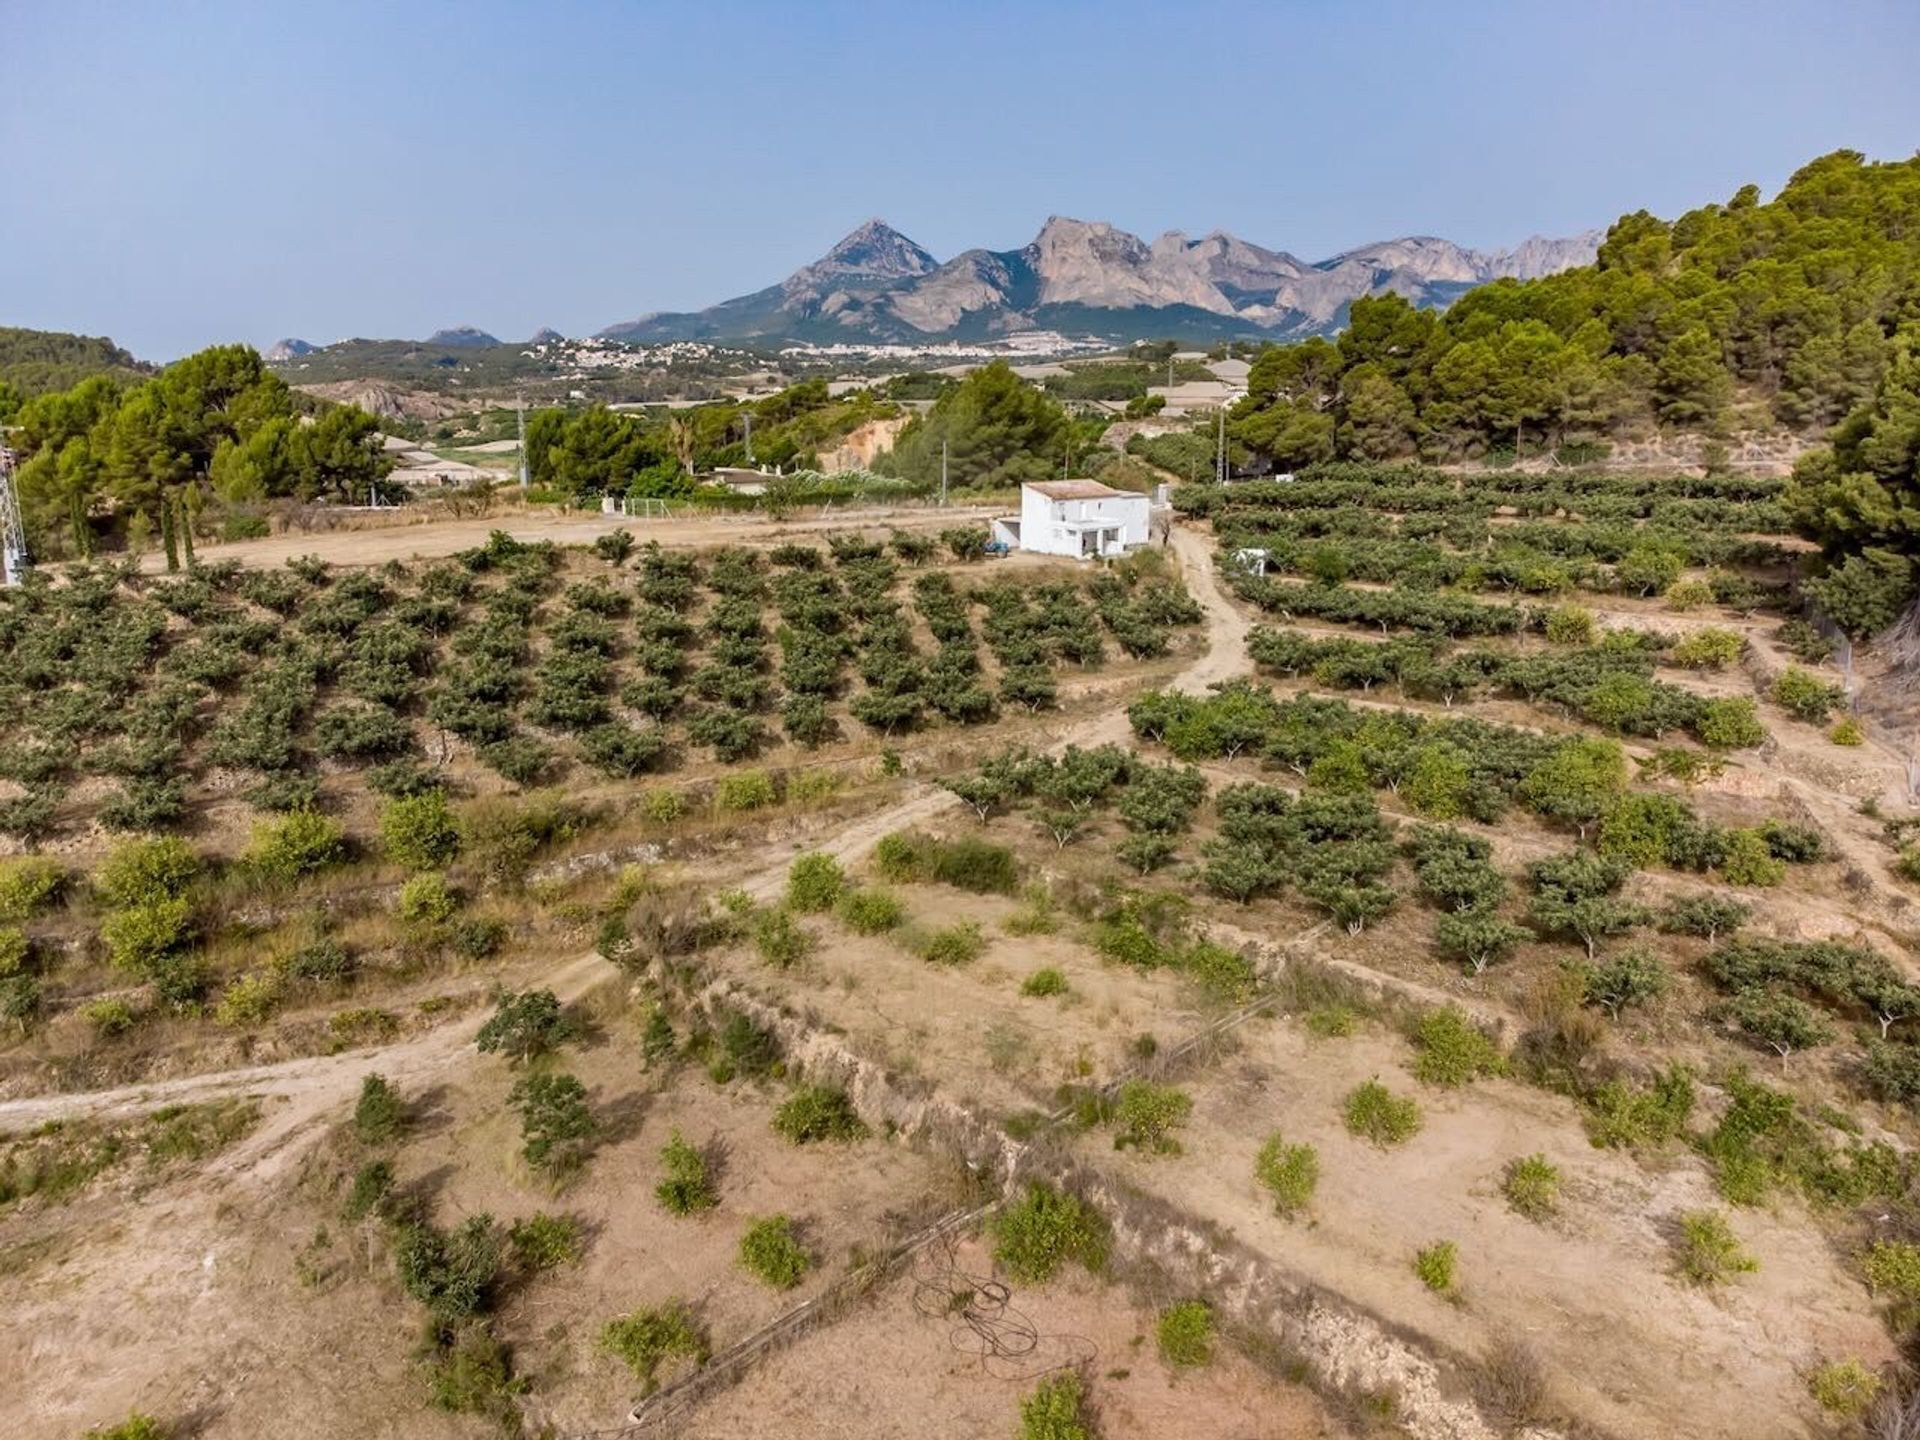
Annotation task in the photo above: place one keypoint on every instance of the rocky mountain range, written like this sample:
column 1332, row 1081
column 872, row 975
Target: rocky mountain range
column 1089, row 278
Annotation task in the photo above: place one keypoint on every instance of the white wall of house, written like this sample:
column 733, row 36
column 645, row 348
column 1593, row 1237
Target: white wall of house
column 1084, row 524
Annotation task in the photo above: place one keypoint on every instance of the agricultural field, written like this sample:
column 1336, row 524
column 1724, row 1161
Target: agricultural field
column 1453, row 977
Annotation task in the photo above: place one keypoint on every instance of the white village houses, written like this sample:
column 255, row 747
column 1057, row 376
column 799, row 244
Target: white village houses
column 1078, row 518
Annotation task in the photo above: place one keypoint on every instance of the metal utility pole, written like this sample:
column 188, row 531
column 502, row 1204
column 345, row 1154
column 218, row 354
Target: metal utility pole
column 749, row 415
column 13, row 535
column 943, row 474
column 1220, row 458
column 520, row 415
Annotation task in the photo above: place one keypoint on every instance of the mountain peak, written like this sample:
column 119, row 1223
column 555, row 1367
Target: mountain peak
column 289, row 349
column 874, row 250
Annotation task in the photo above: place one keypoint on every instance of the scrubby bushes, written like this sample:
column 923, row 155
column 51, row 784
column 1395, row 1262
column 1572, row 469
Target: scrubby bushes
column 647, row 1339
column 1045, row 1229
column 817, row 1113
column 1709, row 1252
column 686, row 1186
column 772, row 1252
column 1184, row 1333
column 1288, row 1173
column 1532, row 1186
column 1375, row 1113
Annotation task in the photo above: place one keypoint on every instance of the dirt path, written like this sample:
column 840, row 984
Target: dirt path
column 427, row 536
column 305, row 1094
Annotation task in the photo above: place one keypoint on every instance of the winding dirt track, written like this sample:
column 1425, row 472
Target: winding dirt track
column 309, row 1092
column 426, row 537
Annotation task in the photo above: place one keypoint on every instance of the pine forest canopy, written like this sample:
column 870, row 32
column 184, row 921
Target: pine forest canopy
column 1803, row 311
column 33, row 362
column 147, row 455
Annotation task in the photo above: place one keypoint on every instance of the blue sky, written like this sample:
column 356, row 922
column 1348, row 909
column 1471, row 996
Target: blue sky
column 187, row 172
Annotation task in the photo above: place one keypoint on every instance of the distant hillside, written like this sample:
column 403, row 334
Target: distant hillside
column 1090, row 279
column 36, row 361
column 462, row 337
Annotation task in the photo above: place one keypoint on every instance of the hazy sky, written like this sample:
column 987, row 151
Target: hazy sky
column 180, row 173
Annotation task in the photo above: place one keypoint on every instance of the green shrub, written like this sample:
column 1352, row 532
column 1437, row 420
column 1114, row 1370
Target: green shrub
column 971, row 863
column 296, row 845
column 1436, row 1265
column 1227, row 976
column 1709, row 648
column 1891, row 1268
column 555, row 1123
column 379, row 1114
column 1056, row 1410
column 137, row 1426
column 109, row 1016
column 1043, row 1230
column 143, row 872
column 1185, row 1333
column 501, row 836
column 958, row 944
column 818, row 1112
column 27, row 884
column 662, row 807
column 1688, row 594
column 781, row 940
column 900, row 857
column 1375, row 1113
column 418, row 831
column 144, row 938
column 1710, row 1254
column 524, row 1025
column 426, row 902
column 1289, row 1173
column 1632, row 977
column 1452, row 1050
column 647, row 1339
column 1729, row 722
column 1619, row 1114
column 546, row 1242
column 747, row 790
column 687, row 1186
column 1331, row 1022
column 1570, row 625
column 1844, row 1387
column 1804, row 695
column 814, row 883
column 371, row 1191
column 771, row 1251
column 451, row 1272
column 1847, row 731
column 1532, row 1186
column 1747, row 859
column 1146, row 1115
column 870, row 912
column 1047, row 980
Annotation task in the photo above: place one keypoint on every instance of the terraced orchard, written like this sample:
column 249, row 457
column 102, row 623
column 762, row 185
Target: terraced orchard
column 1417, row 956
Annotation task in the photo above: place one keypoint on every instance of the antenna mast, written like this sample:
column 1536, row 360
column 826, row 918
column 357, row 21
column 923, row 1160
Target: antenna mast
column 520, row 415
column 13, row 535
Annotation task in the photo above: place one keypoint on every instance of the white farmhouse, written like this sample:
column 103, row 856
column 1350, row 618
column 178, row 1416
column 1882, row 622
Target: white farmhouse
column 1078, row 518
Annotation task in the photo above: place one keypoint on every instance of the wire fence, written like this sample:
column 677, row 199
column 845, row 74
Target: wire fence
column 1904, row 744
